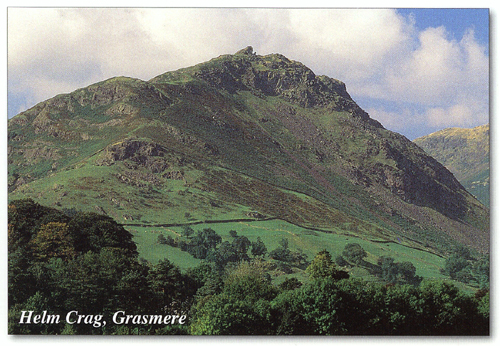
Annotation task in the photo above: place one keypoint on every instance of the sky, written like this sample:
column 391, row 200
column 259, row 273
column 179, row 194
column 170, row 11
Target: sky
column 414, row 70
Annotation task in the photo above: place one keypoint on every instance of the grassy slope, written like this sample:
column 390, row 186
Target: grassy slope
column 479, row 186
column 465, row 152
column 272, row 231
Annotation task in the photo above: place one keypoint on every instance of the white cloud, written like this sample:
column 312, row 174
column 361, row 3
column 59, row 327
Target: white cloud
column 438, row 70
column 353, row 44
column 419, row 121
column 465, row 114
column 448, row 77
column 188, row 36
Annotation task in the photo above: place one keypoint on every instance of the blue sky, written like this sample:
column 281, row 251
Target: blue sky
column 456, row 20
column 415, row 70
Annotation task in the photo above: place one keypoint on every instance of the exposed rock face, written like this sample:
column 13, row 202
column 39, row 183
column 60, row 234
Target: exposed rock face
column 420, row 179
column 246, row 51
column 276, row 75
column 145, row 154
column 117, row 90
column 175, row 175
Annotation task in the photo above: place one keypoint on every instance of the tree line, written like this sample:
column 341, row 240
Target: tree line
column 331, row 303
column 207, row 245
column 61, row 262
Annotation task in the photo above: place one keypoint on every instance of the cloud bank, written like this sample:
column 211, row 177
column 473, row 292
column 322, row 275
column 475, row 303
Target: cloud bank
column 413, row 81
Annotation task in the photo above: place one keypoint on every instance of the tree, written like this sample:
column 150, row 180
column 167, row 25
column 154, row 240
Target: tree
column 282, row 252
column 462, row 251
column 243, row 306
column 290, row 284
column 454, row 265
column 445, row 310
column 170, row 241
column 198, row 251
column 250, row 281
column 323, row 307
column 340, row 261
column 187, row 231
column 353, row 252
column 208, row 238
column 171, row 287
column 166, row 241
column 284, row 243
column 388, row 269
column 99, row 281
column 462, row 266
column 203, row 243
column 37, row 302
column 258, row 248
column 53, row 240
column 92, row 232
column 223, row 314
column 20, row 277
column 229, row 252
column 397, row 272
column 484, row 306
column 25, row 219
column 481, row 270
column 241, row 245
column 224, row 254
column 322, row 266
column 161, row 239
column 207, row 278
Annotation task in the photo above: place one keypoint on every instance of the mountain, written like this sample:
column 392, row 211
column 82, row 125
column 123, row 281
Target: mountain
column 465, row 152
column 241, row 136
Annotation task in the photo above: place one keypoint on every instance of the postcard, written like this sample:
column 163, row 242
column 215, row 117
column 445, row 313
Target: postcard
column 248, row 171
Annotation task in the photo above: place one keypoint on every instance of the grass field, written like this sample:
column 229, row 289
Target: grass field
column 272, row 231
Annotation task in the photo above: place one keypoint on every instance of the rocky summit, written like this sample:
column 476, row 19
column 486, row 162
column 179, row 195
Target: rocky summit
column 238, row 136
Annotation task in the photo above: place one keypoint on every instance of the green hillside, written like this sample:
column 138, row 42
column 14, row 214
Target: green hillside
column 240, row 136
column 466, row 153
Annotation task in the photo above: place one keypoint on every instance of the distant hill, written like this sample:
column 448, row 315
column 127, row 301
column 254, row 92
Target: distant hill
column 465, row 152
column 240, row 136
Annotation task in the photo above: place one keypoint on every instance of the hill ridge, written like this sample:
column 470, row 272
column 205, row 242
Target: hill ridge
column 465, row 152
column 293, row 145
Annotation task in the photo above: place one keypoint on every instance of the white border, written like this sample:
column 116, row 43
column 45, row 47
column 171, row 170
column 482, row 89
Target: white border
column 251, row 340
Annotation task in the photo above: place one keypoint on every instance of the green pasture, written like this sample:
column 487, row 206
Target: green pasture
column 271, row 232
